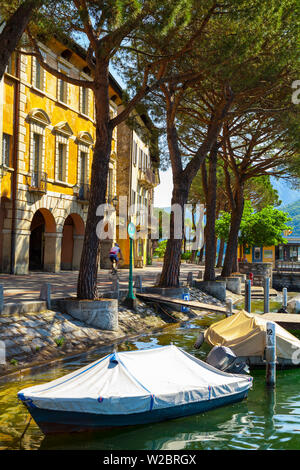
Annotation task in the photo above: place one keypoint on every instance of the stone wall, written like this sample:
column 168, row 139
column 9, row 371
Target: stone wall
column 259, row 271
column 289, row 280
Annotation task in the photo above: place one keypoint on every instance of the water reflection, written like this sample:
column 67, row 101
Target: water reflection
column 267, row 420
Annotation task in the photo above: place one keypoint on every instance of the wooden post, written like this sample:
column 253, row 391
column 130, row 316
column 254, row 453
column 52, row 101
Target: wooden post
column 248, row 296
column 190, row 278
column 266, row 295
column 270, row 354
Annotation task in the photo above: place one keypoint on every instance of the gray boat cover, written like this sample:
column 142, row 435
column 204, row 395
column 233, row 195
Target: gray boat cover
column 135, row 382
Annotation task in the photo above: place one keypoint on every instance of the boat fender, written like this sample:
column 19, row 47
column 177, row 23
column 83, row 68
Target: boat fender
column 113, row 361
column 199, row 341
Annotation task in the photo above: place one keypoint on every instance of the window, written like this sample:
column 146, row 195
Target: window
column 37, row 143
column 84, row 101
column 61, row 161
column 141, row 159
column 110, row 185
column 62, row 90
column 6, row 143
column 38, row 76
column 83, row 167
column 11, row 66
column 135, row 150
column 132, row 197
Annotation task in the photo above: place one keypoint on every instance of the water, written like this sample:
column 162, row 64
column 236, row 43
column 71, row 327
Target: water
column 266, row 420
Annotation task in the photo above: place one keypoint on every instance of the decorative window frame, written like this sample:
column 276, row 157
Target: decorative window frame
column 63, row 132
column 85, row 142
column 38, row 120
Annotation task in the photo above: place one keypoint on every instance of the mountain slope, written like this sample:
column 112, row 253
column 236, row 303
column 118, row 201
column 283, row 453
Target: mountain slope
column 293, row 210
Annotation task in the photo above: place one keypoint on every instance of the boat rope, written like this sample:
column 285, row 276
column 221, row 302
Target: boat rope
column 26, row 427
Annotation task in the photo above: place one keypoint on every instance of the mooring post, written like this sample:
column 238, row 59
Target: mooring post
column 1, row 299
column 270, row 354
column 266, row 295
column 45, row 294
column 284, row 298
column 228, row 307
column 248, row 295
column 190, row 278
column 138, row 284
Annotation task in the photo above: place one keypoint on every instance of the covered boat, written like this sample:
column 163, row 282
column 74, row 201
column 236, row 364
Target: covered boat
column 132, row 387
column 245, row 334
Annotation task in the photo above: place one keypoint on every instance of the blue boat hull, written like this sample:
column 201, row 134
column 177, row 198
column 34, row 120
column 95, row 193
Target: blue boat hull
column 51, row 421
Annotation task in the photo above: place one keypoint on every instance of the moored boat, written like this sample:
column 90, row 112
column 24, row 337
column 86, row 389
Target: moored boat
column 130, row 388
column 245, row 334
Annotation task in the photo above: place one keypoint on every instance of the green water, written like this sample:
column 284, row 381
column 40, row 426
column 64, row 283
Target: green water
column 266, row 420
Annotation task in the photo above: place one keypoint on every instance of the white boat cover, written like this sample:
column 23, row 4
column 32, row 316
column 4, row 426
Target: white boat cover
column 135, row 382
column 245, row 334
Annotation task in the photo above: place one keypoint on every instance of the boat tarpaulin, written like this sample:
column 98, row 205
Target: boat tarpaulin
column 135, row 382
column 245, row 334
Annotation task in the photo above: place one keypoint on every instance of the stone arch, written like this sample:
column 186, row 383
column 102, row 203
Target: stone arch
column 42, row 243
column 72, row 240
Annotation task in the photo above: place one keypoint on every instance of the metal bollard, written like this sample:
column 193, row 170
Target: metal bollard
column 284, row 297
column 248, row 296
column 270, row 354
column 228, row 307
column 1, row 299
column 266, row 295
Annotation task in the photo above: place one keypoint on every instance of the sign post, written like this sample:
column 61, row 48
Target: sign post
column 130, row 299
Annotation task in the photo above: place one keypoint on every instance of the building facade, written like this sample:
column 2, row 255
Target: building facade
column 137, row 176
column 47, row 133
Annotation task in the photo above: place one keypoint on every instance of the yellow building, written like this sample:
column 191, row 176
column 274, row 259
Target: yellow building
column 47, row 133
column 257, row 254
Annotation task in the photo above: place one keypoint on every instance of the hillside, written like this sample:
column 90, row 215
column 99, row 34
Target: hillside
column 294, row 210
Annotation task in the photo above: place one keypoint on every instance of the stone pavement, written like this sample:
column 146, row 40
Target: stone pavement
column 63, row 284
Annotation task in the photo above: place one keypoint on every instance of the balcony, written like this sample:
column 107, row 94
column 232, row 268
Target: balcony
column 82, row 192
column 147, row 178
column 38, row 182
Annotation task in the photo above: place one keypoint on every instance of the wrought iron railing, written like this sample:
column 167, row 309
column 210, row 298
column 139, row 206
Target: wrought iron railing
column 291, row 266
column 38, row 181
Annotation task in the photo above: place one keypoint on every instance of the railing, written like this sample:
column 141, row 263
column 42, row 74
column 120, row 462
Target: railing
column 38, row 182
column 290, row 266
column 147, row 177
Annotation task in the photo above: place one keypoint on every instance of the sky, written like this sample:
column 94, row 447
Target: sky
column 163, row 192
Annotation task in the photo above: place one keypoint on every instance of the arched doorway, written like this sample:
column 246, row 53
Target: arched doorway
column 42, row 223
column 71, row 246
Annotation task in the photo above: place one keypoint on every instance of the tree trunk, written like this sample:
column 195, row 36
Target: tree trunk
column 13, row 30
column 232, row 244
column 221, row 252
column 171, row 268
column 87, row 279
column 210, row 245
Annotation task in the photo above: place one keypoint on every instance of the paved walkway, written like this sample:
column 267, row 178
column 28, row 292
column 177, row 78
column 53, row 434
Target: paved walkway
column 27, row 287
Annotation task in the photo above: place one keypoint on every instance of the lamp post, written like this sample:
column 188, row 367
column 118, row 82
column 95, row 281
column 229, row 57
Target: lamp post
column 130, row 299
